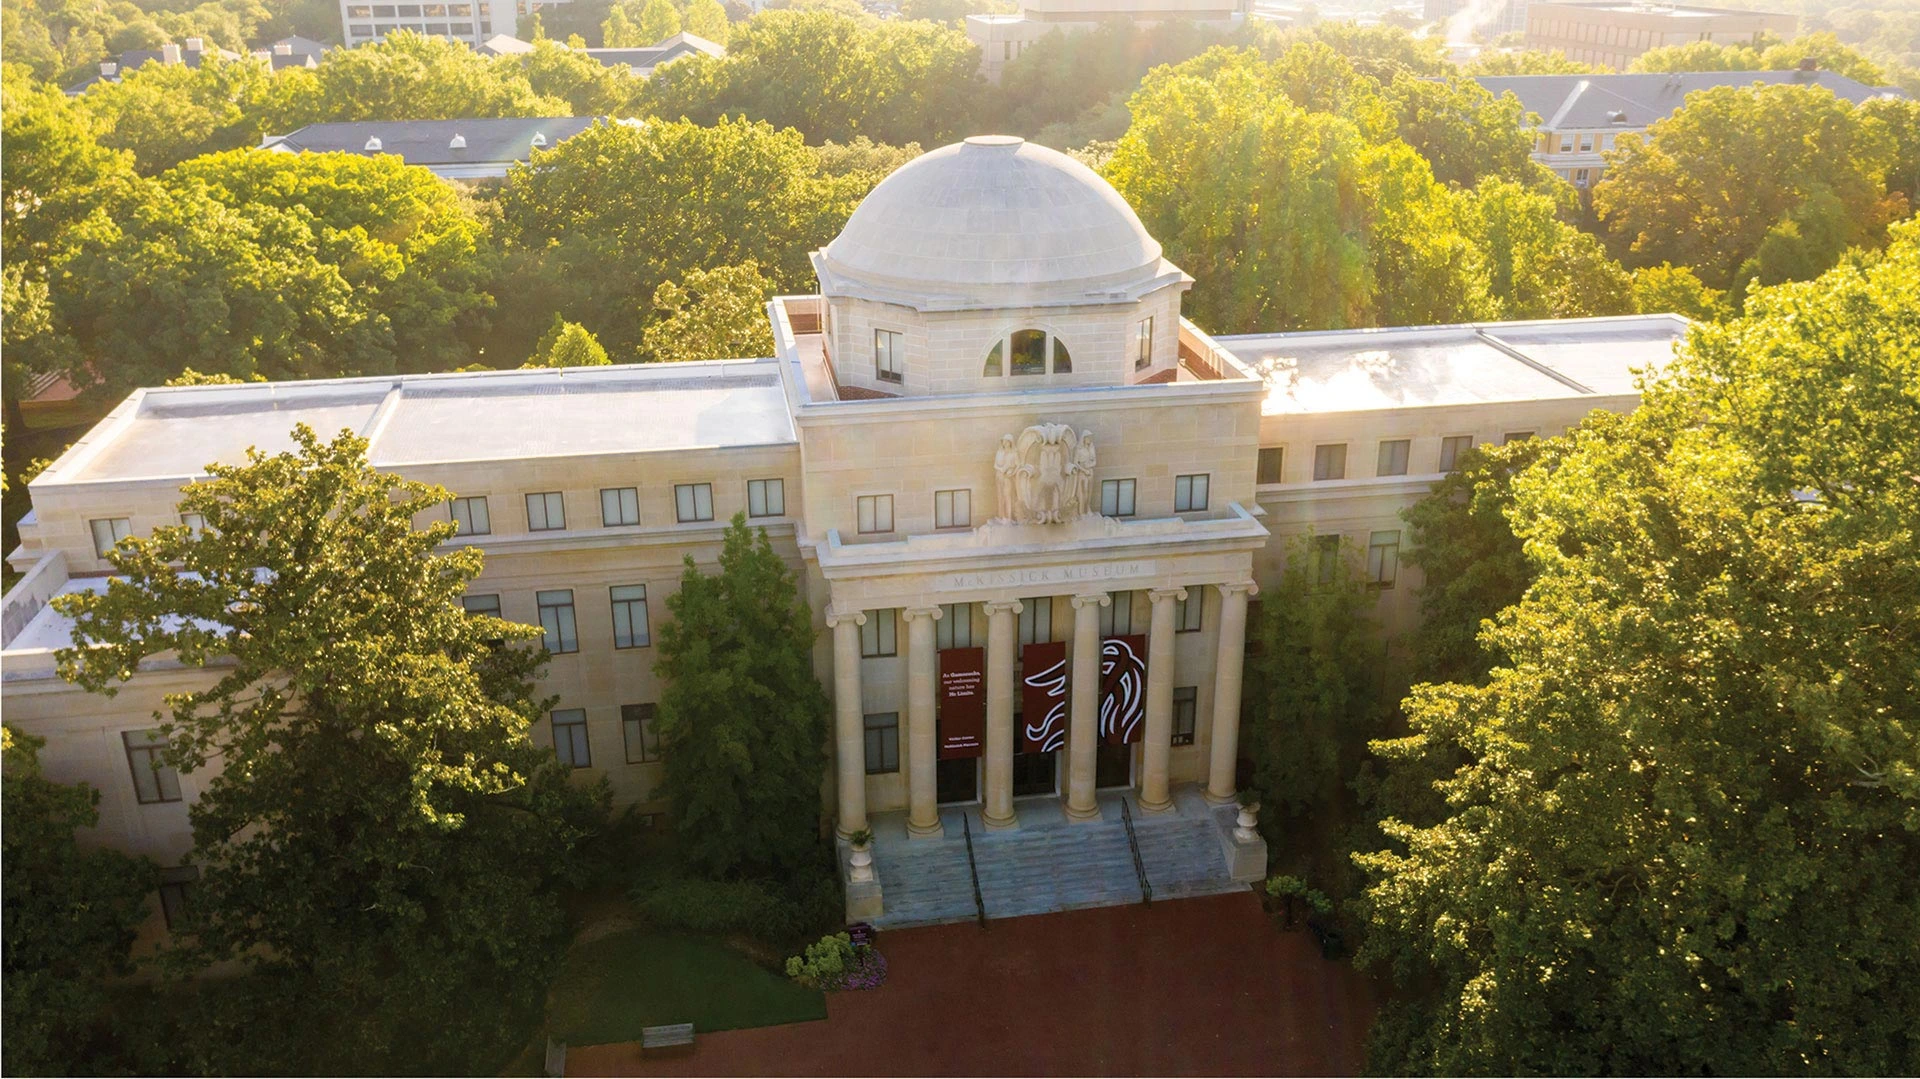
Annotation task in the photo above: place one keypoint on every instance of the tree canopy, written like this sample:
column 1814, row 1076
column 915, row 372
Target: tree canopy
column 711, row 315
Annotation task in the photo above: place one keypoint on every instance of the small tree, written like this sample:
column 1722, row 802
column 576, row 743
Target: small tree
column 707, row 19
column 742, row 718
column 568, row 344
column 658, row 21
column 714, row 315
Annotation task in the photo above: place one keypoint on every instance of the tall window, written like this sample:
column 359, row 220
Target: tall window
column 1036, row 620
column 108, row 532
column 1383, row 558
column 1116, row 619
column 1393, row 458
column 693, row 502
column 483, row 604
column 1143, row 344
column 1186, row 614
column 1272, row 461
column 570, row 737
column 1029, row 350
column 619, row 506
column 877, row 636
column 1327, row 558
column 875, row 513
column 153, row 781
column 630, row 616
column 889, row 356
column 643, row 743
column 766, row 498
column 953, row 509
column 1190, row 493
column 883, row 742
column 196, row 524
column 556, row 618
column 1451, row 449
column 1186, row 710
column 176, row 891
column 470, row 516
column 546, row 512
column 955, row 627
column 1116, row 498
column 1330, row 462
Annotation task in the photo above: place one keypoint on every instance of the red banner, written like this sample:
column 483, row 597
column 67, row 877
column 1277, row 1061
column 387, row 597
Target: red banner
column 1043, row 697
column 1123, row 689
column 963, row 702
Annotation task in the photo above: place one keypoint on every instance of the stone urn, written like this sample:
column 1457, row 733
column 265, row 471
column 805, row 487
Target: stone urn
column 860, row 864
column 1245, row 824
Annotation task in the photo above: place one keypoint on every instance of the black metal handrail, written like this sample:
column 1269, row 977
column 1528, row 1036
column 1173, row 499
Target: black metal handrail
column 979, row 904
column 1133, row 842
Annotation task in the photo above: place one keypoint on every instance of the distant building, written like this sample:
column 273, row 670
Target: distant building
column 641, row 62
column 471, row 21
column 1579, row 116
column 192, row 53
column 1509, row 17
column 1003, row 37
column 451, row 149
column 1613, row 34
column 503, row 45
column 292, row 52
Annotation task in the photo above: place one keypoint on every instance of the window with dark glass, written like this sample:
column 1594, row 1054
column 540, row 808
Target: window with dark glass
column 1186, row 614
column 1272, row 459
column 1143, row 344
column 1116, row 618
column 619, row 506
column 153, row 780
column 1029, row 351
column 1451, row 449
column 1393, row 457
column 1036, row 620
column 556, row 619
column 482, row 604
column 954, row 629
column 1330, row 462
column 570, row 737
column 883, row 742
column 1383, row 558
column 636, row 722
column 1186, row 712
column 1327, row 555
column 889, row 355
column 630, row 616
column 877, row 636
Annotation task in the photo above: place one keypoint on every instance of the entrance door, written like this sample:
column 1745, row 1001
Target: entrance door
column 1036, row 774
column 956, row 781
column 1113, row 766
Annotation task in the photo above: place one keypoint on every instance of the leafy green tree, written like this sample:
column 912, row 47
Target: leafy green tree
column 952, row 12
column 589, row 87
column 1464, row 132
column 711, row 315
column 1801, row 245
column 568, row 344
column 1701, row 191
column 707, row 19
column 1768, row 54
column 1687, row 834
column 1379, row 52
column 166, row 113
column 1668, row 288
column 1526, row 62
column 618, row 32
column 54, row 171
column 1900, row 118
column 863, row 160
column 377, row 835
column 403, row 77
column 1067, row 89
column 1537, row 265
column 71, row 916
column 742, row 718
column 656, row 21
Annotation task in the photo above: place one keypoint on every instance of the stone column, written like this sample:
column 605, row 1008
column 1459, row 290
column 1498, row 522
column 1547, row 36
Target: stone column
column 923, row 814
column 1226, row 689
column 849, row 721
column 1157, row 752
column 998, row 812
column 1083, row 731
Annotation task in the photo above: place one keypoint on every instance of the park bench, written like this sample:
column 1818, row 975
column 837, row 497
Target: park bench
column 663, row 1037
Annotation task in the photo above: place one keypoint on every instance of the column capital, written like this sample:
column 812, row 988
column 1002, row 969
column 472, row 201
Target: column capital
column 1160, row 595
column 1003, row 606
column 1228, row 588
column 911, row 613
column 1092, row 599
column 835, row 616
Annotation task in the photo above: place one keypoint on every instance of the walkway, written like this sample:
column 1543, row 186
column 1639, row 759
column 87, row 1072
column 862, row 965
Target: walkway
column 1192, row 987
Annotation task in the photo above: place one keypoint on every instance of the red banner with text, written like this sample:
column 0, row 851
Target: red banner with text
column 1043, row 697
column 1123, row 689
column 963, row 702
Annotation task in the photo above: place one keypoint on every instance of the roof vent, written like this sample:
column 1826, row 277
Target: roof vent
column 458, row 142
column 195, row 44
column 283, row 48
column 539, row 138
column 1618, row 116
column 108, row 69
column 1809, row 63
column 373, row 145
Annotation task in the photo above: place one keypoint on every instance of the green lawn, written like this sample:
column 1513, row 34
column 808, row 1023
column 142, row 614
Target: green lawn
column 612, row 987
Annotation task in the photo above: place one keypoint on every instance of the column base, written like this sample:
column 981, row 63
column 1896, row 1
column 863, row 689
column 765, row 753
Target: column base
column 1084, row 816
column 1227, row 799
column 936, row 830
column 843, row 834
column 1008, row 823
column 1153, row 807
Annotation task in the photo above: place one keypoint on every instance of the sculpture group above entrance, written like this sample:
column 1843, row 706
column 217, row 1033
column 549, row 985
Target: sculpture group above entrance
column 1045, row 475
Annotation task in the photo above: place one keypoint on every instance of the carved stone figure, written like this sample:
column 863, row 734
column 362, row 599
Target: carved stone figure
column 1082, row 470
column 1045, row 475
column 1006, row 468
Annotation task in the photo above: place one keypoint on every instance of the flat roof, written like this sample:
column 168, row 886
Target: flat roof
column 1412, row 367
column 173, row 432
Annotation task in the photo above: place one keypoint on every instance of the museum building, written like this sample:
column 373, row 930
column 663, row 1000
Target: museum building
column 1030, row 504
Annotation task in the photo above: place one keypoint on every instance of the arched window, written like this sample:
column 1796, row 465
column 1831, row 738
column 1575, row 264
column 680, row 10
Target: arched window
column 1029, row 351
column 1062, row 363
column 1025, row 352
column 993, row 360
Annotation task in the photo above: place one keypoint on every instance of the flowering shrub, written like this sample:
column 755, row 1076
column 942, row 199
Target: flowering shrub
column 838, row 963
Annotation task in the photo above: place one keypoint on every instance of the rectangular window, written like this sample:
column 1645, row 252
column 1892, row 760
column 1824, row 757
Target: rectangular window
column 1186, row 612
column 876, row 513
column 546, row 512
column 630, row 616
column 487, row 604
column 153, row 781
column 693, row 502
column 556, row 618
column 766, row 498
column 570, row 738
column 1116, row 619
column 955, row 627
column 196, row 524
column 883, row 742
column 1190, row 493
column 889, row 356
column 643, row 743
column 1327, row 558
column 1116, row 498
column 877, row 637
column 619, row 506
column 470, row 515
column 176, row 891
column 108, row 532
column 1036, row 620
column 1451, row 449
column 1393, row 457
column 1586, row 145
column 1143, row 344
column 1330, row 462
column 1186, row 712
column 953, row 509
column 1383, row 558
column 1515, row 436
column 1272, row 460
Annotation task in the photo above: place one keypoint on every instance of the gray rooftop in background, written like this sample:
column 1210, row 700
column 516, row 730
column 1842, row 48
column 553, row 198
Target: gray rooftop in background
column 435, row 419
column 1592, row 101
column 430, row 142
column 1359, row 370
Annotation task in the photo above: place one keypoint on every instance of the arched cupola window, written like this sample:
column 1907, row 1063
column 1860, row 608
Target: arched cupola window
column 1026, row 352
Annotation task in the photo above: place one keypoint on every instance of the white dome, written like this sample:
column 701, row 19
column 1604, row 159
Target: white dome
column 993, row 221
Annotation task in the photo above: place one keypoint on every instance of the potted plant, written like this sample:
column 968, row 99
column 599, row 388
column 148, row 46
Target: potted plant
column 860, row 861
column 1249, row 817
